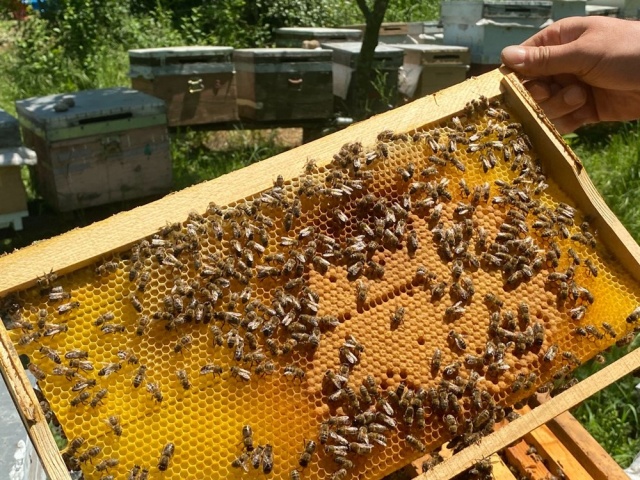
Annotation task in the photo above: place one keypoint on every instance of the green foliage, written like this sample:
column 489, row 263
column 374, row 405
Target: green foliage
column 611, row 155
column 614, row 166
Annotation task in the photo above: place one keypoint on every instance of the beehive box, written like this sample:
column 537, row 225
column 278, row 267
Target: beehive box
column 487, row 27
column 197, row 82
column 441, row 66
column 297, row 305
column 390, row 32
column 284, row 83
column 13, row 197
column 387, row 61
column 288, row 37
column 111, row 145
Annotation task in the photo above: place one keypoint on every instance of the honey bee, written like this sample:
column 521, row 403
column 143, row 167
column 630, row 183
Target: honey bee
column 83, row 384
column 184, row 379
column 67, row 372
column 438, row 290
column 267, row 459
column 74, row 446
column 51, row 354
column 550, row 354
column 114, row 422
column 109, row 368
column 570, row 356
column 36, row 371
column 155, row 392
column 416, row 444
column 133, row 473
column 458, row 340
column 397, row 318
column 241, row 462
column 244, row 375
column 51, row 329
column 106, row 465
column 634, row 316
column 67, row 307
column 80, row 398
column 211, row 368
column 362, row 289
column 309, row 449
column 139, row 376
column 594, row 332
column 578, row 313
column 436, row 360
column 98, row 397
column 89, row 454
column 184, row 342
column 294, row 372
column 609, row 329
column 110, row 328
column 165, row 457
column 105, row 317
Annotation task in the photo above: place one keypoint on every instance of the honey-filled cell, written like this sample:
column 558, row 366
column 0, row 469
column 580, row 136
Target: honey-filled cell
column 405, row 294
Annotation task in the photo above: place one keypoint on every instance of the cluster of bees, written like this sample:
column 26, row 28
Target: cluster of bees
column 261, row 455
column 241, row 275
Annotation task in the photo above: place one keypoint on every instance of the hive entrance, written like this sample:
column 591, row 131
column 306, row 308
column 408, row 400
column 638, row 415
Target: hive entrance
column 305, row 310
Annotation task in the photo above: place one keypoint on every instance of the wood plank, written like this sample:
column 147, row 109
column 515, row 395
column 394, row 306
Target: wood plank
column 500, row 469
column 78, row 248
column 559, row 458
column 585, row 448
column 524, row 463
column 537, row 417
column 29, row 409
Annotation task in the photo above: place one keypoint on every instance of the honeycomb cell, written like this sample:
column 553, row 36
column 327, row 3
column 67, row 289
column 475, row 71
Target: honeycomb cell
column 266, row 291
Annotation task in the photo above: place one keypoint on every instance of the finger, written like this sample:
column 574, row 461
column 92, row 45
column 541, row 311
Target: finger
column 546, row 60
column 539, row 90
column 558, row 33
column 571, row 122
column 566, row 101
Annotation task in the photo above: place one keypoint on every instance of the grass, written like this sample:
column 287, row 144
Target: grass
column 611, row 155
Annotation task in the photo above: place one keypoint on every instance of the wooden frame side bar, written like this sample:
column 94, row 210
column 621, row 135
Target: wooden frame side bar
column 29, row 409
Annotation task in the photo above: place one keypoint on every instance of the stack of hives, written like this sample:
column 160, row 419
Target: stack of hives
column 407, row 293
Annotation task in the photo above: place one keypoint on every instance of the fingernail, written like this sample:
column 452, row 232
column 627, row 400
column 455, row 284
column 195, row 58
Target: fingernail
column 574, row 95
column 514, row 56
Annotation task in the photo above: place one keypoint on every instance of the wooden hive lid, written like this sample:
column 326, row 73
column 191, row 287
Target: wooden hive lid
column 179, row 55
column 94, row 111
column 275, row 55
column 347, row 53
column 320, row 32
column 187, row 60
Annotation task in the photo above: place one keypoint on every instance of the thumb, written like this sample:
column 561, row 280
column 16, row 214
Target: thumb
column 544, row 61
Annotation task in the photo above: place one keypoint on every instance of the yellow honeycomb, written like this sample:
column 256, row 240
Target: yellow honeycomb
column 324, row 281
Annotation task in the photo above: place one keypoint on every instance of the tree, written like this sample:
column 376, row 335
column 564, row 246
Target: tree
column 363, row 85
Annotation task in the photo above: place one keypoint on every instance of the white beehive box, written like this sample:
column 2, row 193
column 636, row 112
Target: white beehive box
column 13, row 197
column 487, row 27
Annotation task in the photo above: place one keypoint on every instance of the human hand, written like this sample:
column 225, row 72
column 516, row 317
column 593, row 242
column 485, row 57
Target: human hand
column 582, row 70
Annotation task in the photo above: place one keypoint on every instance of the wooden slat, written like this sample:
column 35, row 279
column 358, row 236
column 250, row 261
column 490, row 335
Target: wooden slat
column 29, row 409
column 585, row 449
column 537, row 417
column 500, row 469
column 557, row 455
column 524, row 463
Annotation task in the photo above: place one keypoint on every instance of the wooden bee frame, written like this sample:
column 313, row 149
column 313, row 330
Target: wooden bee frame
column 81, row 247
